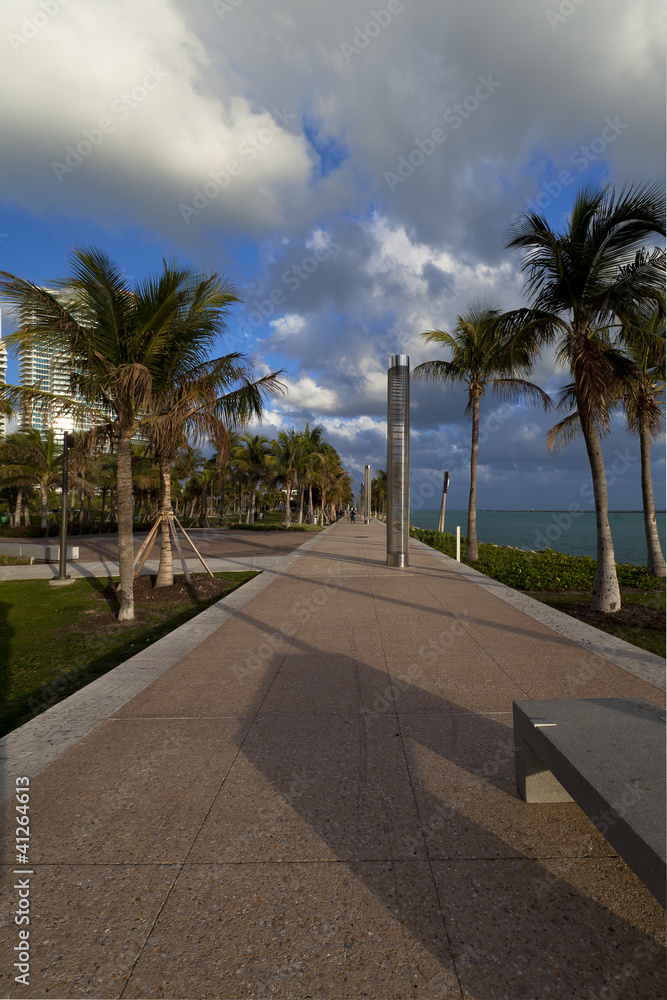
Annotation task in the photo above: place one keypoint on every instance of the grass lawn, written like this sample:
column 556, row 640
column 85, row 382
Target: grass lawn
column 53, row 641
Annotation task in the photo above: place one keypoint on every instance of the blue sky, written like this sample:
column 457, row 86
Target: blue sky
column 352, row 170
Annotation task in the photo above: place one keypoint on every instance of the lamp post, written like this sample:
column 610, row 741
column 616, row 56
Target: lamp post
column 445, row 487
column 398, row 460
column 367, row 495
column 63, row 579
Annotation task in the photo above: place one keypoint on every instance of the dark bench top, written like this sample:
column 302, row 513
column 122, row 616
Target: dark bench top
column 608, row 755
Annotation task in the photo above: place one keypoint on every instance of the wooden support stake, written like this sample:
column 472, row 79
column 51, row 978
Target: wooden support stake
column 178, row 546
column 190, row 542
column 146, row 549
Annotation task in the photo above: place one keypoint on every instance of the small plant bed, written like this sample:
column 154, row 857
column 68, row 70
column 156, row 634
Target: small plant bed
column 566, row 582
column 543, row 570
column 641, row 620
column 54, row 641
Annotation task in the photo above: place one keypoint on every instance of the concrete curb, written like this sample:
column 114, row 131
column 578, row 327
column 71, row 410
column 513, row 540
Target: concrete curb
column 638, row 662
column 38, row 743
column 50, row 571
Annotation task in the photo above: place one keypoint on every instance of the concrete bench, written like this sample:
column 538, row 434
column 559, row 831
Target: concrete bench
column 608, row 756
column 51, row 553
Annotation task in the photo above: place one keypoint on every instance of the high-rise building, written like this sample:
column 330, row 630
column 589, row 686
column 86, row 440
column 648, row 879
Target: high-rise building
column 51, row 369
column 3, row 379
column 41, row 364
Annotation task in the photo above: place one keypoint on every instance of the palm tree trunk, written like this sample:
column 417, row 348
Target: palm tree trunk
column 302, row 490
column 606, row 592
column 472, row 554
column 288, row 494
column 17, row 509
column 125, row 506
column 310, row 503
column 44, row 495
column 165, row 573
column 655, row 558
column 250, row 519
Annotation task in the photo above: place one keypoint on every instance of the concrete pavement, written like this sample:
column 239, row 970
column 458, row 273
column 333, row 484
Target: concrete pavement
column 315, row 798
column 224, row 550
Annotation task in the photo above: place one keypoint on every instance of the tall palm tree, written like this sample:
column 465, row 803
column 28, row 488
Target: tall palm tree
column 643, row 332
column 312, row 454
column 251, row 461
column 639, row 389
column 576, row 285
column 117, row 340
column 379, row 490
column 479, row 358
column 283, row 464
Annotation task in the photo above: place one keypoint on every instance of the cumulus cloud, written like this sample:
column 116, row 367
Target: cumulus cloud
column 356, row 183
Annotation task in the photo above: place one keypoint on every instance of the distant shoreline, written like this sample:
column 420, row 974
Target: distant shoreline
column 543, row 510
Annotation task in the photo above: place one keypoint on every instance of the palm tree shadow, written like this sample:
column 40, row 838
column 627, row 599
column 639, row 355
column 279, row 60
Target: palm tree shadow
column 400, row 798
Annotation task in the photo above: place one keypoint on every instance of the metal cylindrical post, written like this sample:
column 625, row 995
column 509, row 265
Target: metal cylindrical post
column 398, row 460
column 367, row 494
column 445, row 487
column 63, row 514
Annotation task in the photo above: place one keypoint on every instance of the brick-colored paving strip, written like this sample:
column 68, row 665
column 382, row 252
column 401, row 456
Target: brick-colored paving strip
column 223, row 549
column 317, row 800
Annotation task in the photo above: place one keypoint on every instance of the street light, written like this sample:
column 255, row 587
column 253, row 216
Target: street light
column 63, row 579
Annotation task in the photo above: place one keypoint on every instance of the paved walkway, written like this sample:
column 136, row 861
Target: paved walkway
column 317, row 800
column 224, row 550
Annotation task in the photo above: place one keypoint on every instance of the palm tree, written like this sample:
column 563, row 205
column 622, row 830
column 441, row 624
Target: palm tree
column 35, row 461
column 196, row 398
column 251, row 456
column 118, row 342
column 283, row 464
column 644, row 334
column 379, row 490
column 311, row 455
column 640, row 391
column 479, row 357
column 576, row 286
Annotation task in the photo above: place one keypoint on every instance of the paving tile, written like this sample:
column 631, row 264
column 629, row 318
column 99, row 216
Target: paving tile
column 230, row 684
column 331, row 766
column 131, row 791
column 88, row 925
column 305, row 789
column 287, row 930
column 554, row 929
column 462, row 771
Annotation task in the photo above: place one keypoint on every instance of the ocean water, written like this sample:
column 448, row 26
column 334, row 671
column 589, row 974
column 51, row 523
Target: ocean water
column 562, row 531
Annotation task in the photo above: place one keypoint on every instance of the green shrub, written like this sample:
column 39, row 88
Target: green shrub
column 544, row 570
